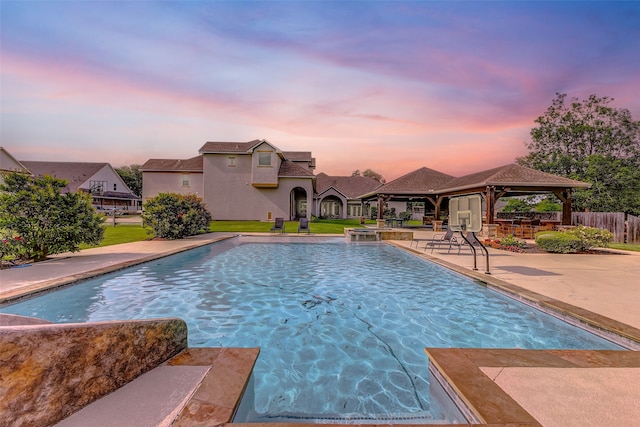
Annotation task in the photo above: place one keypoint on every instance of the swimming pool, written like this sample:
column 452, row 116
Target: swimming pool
column 341, row 326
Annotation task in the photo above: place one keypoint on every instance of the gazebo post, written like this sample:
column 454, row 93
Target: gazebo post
column 565, row 198
column 490, row 201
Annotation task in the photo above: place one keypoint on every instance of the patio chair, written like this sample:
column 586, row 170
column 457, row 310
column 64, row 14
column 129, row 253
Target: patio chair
column 417, row 242
column 303, row 225
column 278, row 226
column 446, row 239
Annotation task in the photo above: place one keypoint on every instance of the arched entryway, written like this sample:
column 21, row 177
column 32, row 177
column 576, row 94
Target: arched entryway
column 331, row 207
column 298, row 203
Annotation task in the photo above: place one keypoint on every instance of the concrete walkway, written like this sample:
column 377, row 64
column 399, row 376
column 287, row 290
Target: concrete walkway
column 604, row 285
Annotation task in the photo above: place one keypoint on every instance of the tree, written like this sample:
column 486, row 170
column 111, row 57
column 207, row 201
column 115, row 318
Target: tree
column 370, row 173
column 593, row 142
column 174, row 216
column 548, row 205
column 132, row 176
column 43, row 220
column 516, row 205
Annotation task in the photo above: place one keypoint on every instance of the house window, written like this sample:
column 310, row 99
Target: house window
column 185, row 180
column 232, row 162
column 264, row 159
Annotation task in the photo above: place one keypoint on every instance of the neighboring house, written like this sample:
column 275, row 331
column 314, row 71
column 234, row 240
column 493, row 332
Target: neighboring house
column 239, row 180
column 338, row 196
column 8, row 163
column 107, row 189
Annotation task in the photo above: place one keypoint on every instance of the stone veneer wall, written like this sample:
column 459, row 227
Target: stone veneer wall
column 50, row 371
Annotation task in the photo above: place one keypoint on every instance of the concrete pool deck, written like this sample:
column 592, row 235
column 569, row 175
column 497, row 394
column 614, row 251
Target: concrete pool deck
column 504, row 386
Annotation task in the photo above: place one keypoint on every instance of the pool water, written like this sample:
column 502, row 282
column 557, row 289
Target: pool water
column 341, row 327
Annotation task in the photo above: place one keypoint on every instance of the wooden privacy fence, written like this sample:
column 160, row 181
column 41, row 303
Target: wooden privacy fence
column 633, row 229
column 612, row 221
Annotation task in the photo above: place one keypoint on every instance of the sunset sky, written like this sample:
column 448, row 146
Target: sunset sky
column 391, row 86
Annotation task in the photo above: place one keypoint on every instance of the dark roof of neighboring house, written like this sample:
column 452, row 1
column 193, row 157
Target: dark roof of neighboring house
column 76, row 173
column 350, row 186
column 512, row 175
column 193, row 164
column 291, row 170
column 119, row 195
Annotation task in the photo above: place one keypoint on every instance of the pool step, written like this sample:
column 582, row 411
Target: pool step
column 197, row 385
column 155, row 398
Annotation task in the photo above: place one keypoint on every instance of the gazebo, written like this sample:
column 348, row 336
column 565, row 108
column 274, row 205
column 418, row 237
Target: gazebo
column 510, row 180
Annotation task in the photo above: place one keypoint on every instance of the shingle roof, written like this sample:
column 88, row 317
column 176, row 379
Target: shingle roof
column 298, row 156
column 350, row 186
column 115, row 195
column 229, row 147
column 420, row 181
column 426, row 181
column 289, row 169
column 193, row 164
column 76, row 173
column 511, row 175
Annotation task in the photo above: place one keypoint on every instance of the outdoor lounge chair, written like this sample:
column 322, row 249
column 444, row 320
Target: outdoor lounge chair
column 303, row 225
column 278, row 226
column 446, row 239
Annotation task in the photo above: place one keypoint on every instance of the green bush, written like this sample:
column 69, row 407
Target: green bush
column 592, row 237
column 174, row 216
column 559, row 242
column 512, row 243
column 578, row 239
column 38, row 220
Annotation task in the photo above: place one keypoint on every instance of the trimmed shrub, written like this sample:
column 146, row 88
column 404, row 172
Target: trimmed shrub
column 174, row 216
column 559, row 242
column 592, row 237
column 578, row 239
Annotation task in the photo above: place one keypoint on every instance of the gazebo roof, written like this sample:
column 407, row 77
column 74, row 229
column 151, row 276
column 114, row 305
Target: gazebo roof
column 420, row 181
column 511, row 175
column 512, row 178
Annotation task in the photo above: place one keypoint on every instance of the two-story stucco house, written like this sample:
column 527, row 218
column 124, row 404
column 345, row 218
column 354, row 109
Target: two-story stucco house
column 238, row 180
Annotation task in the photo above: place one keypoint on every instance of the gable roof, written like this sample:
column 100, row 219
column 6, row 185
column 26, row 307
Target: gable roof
column 350, row 186
column 511, row 175
column 76, row 173
column 519, row 179
column 420, row 181
column 218, row 147
column 193, row 164
column 8, row 163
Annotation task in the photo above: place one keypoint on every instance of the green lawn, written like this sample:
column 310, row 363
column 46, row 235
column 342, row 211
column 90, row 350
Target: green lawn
column 126, row 233
column 122, row 233
column 625, row 246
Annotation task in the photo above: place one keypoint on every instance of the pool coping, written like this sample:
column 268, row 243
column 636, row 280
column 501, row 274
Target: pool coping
column 461, row 371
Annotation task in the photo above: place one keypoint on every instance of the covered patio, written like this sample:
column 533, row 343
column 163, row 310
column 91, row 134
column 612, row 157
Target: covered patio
column 433, row 188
